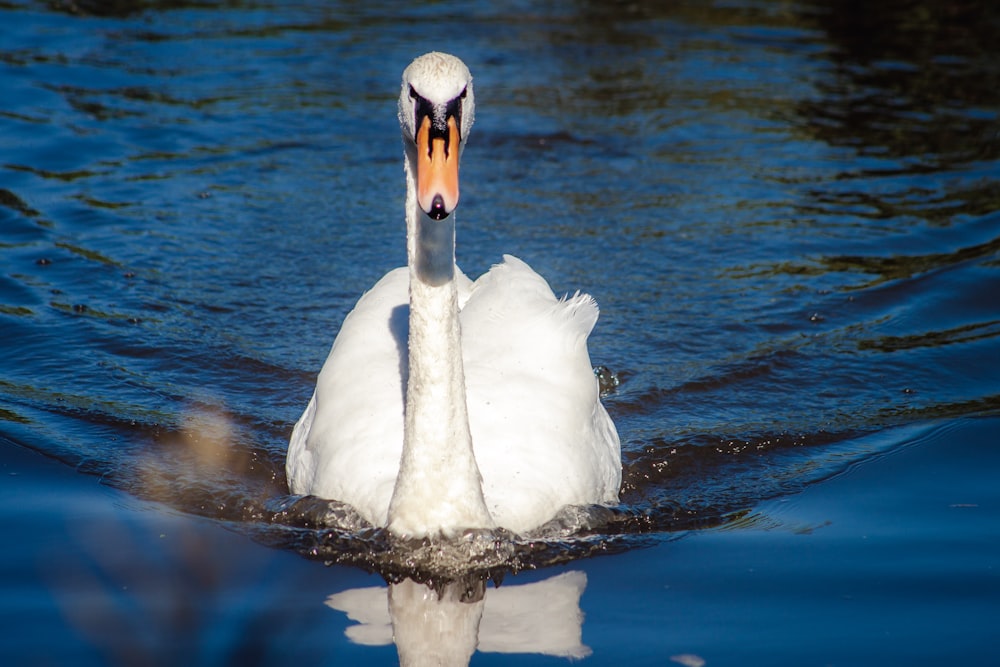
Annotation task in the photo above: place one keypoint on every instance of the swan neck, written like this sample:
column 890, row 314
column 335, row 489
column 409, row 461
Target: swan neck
column 439, row 488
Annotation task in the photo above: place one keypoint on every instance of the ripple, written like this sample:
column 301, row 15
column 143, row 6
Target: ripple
column 788, row 215
column 958, row 335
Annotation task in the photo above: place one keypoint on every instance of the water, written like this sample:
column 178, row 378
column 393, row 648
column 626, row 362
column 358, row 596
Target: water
column 789, row 214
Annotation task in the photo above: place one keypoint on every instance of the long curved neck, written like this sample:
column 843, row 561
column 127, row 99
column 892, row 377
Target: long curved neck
column 438, row 489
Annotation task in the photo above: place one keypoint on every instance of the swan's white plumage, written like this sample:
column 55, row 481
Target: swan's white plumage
column 541, row 438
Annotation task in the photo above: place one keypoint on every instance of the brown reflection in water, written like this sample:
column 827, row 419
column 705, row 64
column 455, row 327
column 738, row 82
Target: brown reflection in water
column 883, row 269
column 900, row 267
column 152, row 589
column 913, row 89
column 909, row 79
column 962, row 334
column 156, row 591
column 205, row 469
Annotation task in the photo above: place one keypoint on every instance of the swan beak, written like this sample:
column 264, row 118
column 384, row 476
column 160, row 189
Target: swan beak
column 437, row 169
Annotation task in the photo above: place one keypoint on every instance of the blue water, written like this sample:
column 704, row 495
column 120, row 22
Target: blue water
column 789, row 214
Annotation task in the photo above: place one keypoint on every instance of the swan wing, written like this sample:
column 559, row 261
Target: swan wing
column 541, row 436
column 347, row 444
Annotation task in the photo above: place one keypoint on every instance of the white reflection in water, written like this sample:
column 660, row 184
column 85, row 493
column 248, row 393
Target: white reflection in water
column 445, row 628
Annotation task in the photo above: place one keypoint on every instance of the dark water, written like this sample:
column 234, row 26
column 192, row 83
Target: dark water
column 789, row 213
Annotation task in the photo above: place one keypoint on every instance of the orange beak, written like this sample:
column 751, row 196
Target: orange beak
column 437, row 170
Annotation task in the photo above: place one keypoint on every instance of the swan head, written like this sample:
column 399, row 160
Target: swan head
column 436, row 109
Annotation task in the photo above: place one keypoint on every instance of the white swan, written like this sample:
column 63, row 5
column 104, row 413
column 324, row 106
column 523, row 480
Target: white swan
column 448, row 404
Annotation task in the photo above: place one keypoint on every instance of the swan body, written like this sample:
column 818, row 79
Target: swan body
column 447, row 404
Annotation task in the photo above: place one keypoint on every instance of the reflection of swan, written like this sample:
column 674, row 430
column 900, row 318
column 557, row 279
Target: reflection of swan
column 542, row 617
column 496, row 375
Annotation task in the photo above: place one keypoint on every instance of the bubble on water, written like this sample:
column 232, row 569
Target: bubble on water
column 607, row 379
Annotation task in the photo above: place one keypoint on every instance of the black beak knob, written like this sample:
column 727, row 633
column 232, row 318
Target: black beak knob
column 437, row 211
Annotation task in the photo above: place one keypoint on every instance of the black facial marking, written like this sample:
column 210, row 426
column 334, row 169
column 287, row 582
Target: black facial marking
column 439, row 115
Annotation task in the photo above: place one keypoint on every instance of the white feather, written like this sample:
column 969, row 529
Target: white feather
column 541, row 439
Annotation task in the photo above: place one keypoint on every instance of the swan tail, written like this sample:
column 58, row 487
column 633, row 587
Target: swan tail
column 514, row 286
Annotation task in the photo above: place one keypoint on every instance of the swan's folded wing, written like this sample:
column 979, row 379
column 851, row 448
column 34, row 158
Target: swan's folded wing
column 541, row 436
column 347, row 444
column 299, row 465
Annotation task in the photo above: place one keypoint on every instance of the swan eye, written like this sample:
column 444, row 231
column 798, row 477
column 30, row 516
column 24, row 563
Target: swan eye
column 465, row 91
column 413, row 93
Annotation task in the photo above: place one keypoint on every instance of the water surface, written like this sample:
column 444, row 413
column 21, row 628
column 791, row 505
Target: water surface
column 789, row 214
